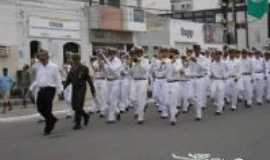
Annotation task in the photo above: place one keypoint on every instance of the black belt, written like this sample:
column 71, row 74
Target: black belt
column 246, row 74
column 160, row 77
column 172, row 81
column 47, row 87
column 232, row 76
column 216, row 78
column 258, row 72
column 197, row 77
column 139, row 79
column 111, row 79
column 100, row 78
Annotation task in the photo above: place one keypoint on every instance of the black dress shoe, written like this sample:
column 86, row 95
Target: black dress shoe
column 110, row 122
column 77, row 127
column 140, row 122
column 173, row 123
column 162, row 117
column 145, row 108
column 177, row 114
column 101, row 116
column 50, row 126
column 218, row 114
column 86, row 120
column 122, row 112
column 68, row 117
column 90, row 113
column 248, row 106
column 198, row 119
column 233, row 109
column 118, row 117
column 185, row 112
column 259, row 104
column 203, row 108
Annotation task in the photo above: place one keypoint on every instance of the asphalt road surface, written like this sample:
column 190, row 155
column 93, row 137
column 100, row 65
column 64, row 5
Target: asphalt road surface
column 244, row 133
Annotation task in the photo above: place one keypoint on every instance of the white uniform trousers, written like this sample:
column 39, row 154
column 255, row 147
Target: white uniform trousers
column 267, row 84
column 113, row 99
column 197, row 95
column 67, row 100
column 184, row 94
column 172, row 97
column 161, row 100
column 247, row 91
column 232, row 89
column 124, row 94
column 205, row 85
column 100, row 103
column 218, row 94
column 139, row 97
column 258, row 87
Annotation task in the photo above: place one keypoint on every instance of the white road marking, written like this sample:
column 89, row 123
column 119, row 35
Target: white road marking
column 32, row 116
column 27, row 117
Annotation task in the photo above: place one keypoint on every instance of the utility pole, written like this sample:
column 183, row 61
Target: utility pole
column 246, row 25
column 234, row 12
column 224, row 7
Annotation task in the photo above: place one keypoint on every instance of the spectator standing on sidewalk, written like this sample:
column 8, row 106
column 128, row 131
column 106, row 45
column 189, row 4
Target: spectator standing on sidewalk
column 25, row 83
column 6, row 85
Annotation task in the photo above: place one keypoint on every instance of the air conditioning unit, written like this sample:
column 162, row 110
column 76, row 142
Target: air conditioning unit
column 4, row 51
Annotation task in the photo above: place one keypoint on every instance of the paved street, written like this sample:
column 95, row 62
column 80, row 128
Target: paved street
column 244, row 133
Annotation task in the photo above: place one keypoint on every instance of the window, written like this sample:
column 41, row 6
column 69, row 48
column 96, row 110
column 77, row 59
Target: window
column 114, row 3
column 102, row 2
column 138, row 15
column 139, row 3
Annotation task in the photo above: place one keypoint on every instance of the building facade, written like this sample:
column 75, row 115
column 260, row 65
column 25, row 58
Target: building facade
column 30, row 25
column 255, row 33
column 113, row 23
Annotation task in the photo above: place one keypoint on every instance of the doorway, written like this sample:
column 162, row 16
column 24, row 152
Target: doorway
column 35, row 47
column 70, row 48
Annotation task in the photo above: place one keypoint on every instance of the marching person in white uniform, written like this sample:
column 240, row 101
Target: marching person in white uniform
column 258, row 77
column 247, row 72
column 100, row 82
column 113, row 67
column 159, row 72
column 173, row 70
column 218, row 74
column 267, row 76
column 233, row 85
column 139, row 73
column 198, row 71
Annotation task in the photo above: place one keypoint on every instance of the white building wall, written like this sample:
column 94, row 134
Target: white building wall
column 14, row 18
column 205, row 4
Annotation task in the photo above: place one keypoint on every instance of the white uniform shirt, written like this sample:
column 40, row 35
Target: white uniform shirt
column 246, row 66
column 198, row 68
column 159, row 69
column 218, row 70
column 47, row 76
column 113, row 68
column 140, row 69
column 233, row 68
column 258, row 65
column 267, row 67
column 173, row 71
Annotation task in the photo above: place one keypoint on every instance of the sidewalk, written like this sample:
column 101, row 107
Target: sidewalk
column 21, row 114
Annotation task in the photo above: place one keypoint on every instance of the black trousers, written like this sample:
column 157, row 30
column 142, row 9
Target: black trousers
column 78, row 97
column 45, row 103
